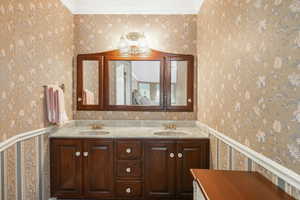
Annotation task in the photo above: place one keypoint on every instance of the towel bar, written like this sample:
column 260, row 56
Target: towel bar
column 62, row 86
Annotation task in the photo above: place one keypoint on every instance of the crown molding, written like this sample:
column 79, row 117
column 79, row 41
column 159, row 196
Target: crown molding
column 134, row 12
column 69, row 5
column 198, row 4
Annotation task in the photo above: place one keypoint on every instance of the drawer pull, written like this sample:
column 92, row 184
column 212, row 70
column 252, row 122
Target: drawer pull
column 172, row 155
column 128, row 150
column 85, row 154
column 77, row 154
column 128, row 190
column 179, row 155
column 128, row 170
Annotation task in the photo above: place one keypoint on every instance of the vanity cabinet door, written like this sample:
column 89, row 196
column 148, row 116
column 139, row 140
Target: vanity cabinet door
column 98, row 168
column 160, row 163
column 66, row 166
column 191, row 154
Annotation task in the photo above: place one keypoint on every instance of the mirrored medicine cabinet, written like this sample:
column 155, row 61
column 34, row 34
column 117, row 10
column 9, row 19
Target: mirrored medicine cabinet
column 159, row 81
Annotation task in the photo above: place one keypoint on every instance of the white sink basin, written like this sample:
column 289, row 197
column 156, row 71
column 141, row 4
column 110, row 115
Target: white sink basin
column 94, row 132
column 170, row 133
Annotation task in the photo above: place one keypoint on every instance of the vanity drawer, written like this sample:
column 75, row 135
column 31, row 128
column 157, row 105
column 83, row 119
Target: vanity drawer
column 129, row 150
column 129, row 189
column 129, row 169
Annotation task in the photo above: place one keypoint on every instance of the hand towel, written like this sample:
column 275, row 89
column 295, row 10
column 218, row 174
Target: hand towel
column 55, row 104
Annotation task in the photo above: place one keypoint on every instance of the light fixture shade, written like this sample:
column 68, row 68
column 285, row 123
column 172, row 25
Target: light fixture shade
column 123, row 45
column 133, row 43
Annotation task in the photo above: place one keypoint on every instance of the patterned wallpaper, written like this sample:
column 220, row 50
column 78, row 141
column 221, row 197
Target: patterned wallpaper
column 170, row 33
column 249, row 73
column 36, row 49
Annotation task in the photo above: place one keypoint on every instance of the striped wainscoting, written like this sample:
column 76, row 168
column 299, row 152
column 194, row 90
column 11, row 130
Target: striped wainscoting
column 25, row 166
column 228, row 154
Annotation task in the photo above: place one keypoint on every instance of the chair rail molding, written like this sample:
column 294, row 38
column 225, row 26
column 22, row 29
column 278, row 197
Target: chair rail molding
column 277, row 169
column 23, row 136
column 27, row 135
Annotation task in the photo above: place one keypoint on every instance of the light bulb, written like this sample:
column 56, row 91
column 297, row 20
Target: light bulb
column 143, row 44
column 123, row 44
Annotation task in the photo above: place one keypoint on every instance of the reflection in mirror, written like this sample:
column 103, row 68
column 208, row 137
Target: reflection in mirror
column 90, row 82
column 179, row 83
column 134, row 83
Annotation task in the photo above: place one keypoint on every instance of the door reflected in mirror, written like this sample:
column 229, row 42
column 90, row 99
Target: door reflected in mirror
column 179, row 76
column 134, row 83
column 90, row 82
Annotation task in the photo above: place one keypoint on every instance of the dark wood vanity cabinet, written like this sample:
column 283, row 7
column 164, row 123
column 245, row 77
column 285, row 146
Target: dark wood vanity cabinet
column 168, row 165
column 66, row 168
column 82, row 168
column 129, row 158
column 160, row 169
column 98, row 168
column 190, row 155
column 126, row 169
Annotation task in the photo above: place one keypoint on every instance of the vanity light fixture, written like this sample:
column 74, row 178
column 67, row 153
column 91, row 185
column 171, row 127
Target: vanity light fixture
column 133, row 43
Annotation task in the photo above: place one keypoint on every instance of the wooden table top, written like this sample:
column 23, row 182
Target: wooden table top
column 237, row 185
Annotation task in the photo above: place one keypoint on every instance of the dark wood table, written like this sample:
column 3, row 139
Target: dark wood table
column 237, row 185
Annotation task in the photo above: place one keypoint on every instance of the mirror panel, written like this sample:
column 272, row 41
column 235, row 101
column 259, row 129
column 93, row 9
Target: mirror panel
column 134, row 83
column 160, row 81
column 91, row 86
column 179, row 75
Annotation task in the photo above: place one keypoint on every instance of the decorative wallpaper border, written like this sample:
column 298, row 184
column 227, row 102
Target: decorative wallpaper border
column 283, row 174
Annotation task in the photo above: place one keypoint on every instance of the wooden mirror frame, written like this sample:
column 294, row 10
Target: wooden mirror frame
column 165, row 81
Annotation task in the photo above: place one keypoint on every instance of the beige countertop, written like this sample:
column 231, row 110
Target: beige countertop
column 82, row 129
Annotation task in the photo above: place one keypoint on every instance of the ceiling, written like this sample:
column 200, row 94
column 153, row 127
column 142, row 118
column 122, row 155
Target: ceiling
column 133, row 6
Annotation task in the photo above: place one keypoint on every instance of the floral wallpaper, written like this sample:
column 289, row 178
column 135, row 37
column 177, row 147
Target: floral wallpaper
column 170, row 33
column 249, row 73
column 248, row 80
column 36, row 49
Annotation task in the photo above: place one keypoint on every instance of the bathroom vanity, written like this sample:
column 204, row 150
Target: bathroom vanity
column 115, row 163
